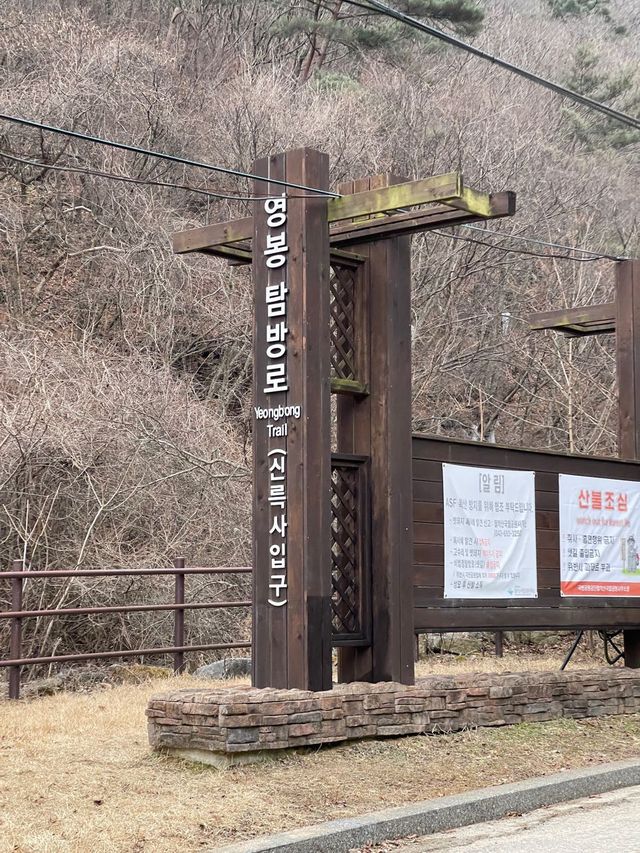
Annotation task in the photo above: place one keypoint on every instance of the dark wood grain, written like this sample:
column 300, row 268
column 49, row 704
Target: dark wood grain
column 379, row 426
column 628, row 369
column 628, row 357
column 293, row 642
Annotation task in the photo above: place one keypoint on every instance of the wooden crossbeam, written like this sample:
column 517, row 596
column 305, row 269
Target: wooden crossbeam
column 451, row 204
column 476, row 202
column 400, row 224
column 577, row 322
column 439, row 188
column 427, row 191
column 214, row 239
column 213, row 235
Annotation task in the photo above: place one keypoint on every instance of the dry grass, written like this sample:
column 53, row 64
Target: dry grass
column 76, row 774
column 513, row 661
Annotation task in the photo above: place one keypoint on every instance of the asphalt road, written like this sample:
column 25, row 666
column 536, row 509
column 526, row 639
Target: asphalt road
column 599, row 824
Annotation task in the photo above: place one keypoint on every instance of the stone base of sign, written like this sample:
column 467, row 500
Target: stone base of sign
column 225, row 726
column 226, row 760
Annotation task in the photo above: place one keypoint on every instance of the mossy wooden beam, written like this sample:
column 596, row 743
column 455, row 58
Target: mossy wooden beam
column 418, row 221
column 215, row 234
column 348, row 386
column 587, row 320
column 450, row 202
column 438, row 188
column 473, row 202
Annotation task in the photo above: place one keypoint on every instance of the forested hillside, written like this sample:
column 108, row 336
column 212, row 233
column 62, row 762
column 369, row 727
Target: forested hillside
column 126, row 370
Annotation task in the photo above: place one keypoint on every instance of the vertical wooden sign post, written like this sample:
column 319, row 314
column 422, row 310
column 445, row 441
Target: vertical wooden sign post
column 627, row 327
column 291, row 426
column 378, row 425
column 628, row 366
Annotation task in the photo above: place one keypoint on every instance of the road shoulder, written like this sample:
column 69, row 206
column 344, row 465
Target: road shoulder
column 446, row 813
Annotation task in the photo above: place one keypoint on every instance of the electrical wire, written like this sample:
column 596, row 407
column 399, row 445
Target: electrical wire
column 538, row 242
column 219, row 195
column 524, row 251
column 583, row 100
column 123, row 146
column 148, row 182
column 128, row 179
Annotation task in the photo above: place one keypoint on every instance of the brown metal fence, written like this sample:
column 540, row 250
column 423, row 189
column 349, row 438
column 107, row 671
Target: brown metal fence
column 17, row 577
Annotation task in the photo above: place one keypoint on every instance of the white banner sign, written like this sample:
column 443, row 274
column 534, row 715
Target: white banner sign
column 599, row 536
column 489, row 533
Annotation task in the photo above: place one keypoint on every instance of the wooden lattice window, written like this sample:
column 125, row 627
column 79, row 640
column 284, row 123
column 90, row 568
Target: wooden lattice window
column 342, row 284
column 350, row 566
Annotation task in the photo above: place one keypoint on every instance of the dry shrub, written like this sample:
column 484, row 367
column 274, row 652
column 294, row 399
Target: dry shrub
column 106, row 464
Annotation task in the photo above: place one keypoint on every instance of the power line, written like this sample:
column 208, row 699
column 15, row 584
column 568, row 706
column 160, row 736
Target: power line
column 238, row 173
column 123, row 146
column 130, row 180
column 524, row 251
column 390, row 12
column 214, row 194
column 538, row 242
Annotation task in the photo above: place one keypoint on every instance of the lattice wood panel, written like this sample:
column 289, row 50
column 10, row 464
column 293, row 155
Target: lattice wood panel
column 350, row 568
column 342, row 284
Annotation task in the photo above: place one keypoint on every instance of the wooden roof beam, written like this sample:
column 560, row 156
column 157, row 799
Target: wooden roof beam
column 446, row 191
column 439, row 188
column 577, row 322
column 214, row 239
column 495, row 206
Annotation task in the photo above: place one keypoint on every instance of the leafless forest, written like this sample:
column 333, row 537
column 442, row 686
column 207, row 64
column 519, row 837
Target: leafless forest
column 125, row 420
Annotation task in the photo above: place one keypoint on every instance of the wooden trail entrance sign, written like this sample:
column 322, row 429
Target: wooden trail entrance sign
column 332, row 525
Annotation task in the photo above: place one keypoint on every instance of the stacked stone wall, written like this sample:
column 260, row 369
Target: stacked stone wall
column 238, row 720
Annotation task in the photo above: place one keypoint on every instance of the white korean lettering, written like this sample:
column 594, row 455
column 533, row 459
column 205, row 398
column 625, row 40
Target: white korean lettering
column 276, row 351
column 276, row 379
column 276, row 332
column 276, row 205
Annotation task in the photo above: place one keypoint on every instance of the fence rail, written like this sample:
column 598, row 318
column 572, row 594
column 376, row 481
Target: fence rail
column 17, row 576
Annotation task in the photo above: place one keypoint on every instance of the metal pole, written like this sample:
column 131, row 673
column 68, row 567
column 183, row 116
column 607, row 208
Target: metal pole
column 574, row 646
column 178, row 624
column 16, row 632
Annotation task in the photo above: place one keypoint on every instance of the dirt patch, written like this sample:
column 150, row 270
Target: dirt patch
column 77, row 774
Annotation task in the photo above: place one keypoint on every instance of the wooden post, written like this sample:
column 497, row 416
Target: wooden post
column 628, row 365
column 628, row 357
column 632, row 649
column 291, row 426
column 379, row 426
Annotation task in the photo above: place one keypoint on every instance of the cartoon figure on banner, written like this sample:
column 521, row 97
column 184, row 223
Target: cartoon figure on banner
column 630, row 556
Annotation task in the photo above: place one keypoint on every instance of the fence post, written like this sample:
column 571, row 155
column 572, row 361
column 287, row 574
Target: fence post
column 499, row 644
column 15, row 647
column 178, row 624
